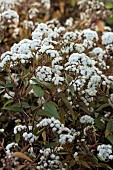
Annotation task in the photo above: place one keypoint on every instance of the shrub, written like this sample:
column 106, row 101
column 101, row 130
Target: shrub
column 56, row 99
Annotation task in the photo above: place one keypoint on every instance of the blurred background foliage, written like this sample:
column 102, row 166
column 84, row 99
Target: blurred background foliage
column 60, row 9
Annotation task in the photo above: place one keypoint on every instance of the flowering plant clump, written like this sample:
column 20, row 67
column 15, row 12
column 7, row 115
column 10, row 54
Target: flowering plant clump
column 15, row 24
column 56, row 98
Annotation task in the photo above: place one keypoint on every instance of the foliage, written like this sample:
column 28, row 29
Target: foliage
column 56, row 86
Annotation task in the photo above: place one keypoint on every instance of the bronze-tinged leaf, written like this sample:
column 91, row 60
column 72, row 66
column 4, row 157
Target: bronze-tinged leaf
column 22, row 155
column 5, row 39
column 84, row 22
column 110, row 71
column 62, row 6
column 25, row 148
column 100, row 26
column 21, row 32
column 44, row 137
column 7, row 47
column 57, row 14
column 46, row 18
column 2, row 79
column 20, row 167
column 2, row 143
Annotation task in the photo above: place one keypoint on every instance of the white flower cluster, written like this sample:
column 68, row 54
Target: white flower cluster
column 74, row 53
column 1, row 130
column 7, row 4
column 28, row 24
column 9, row 95
column 79, row 48
column 65, row 134
column 9, row 147
column 69, row 22
column 10, row 15
column 75, row 155
column 19, row 52
column 57, row 65
column 105, row 152
column 57, row 79
column 28, row 136
column 82, row 65
column 40, row 31
column 100, row 55
column 44, row 73
column 91, row 9
column 110, row 100
column 87, row 119
column 19, row 128
column 69, row 35
column 111, row 97
column 49, row 159
column 14, row 77
column 107, row 38
column 90, row 35
column 46, row 3
column 33, row 12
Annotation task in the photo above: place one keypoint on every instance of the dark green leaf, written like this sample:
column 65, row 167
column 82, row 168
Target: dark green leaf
column 12, row 108
column 25, row 105
column 71, row 88
column 9, row 85
column 69, row 79
column 42, row 83
column 1, row 87
column 17, row 137
column 102, row 107
column 51, row 109
column 15, row 107
column 85, row 164
column 51, row 145
column 67, row 104
column 47, row 113
column 33, row 107
column 83, row 107
column 104, row 166
column 63, row 153
column 100, row 125
column 38, row 91
column 94, row 160
column 38, row 132
column 109, row 128
column 110, row 138
column 110, row 20
column 8, row 102
column 2, row 83
column 1, row 38
column 71, row 163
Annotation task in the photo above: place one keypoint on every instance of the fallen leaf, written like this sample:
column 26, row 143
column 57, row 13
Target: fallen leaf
column 44, row 137
column 100, row 26
column 22, row 155
column 25, row 148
